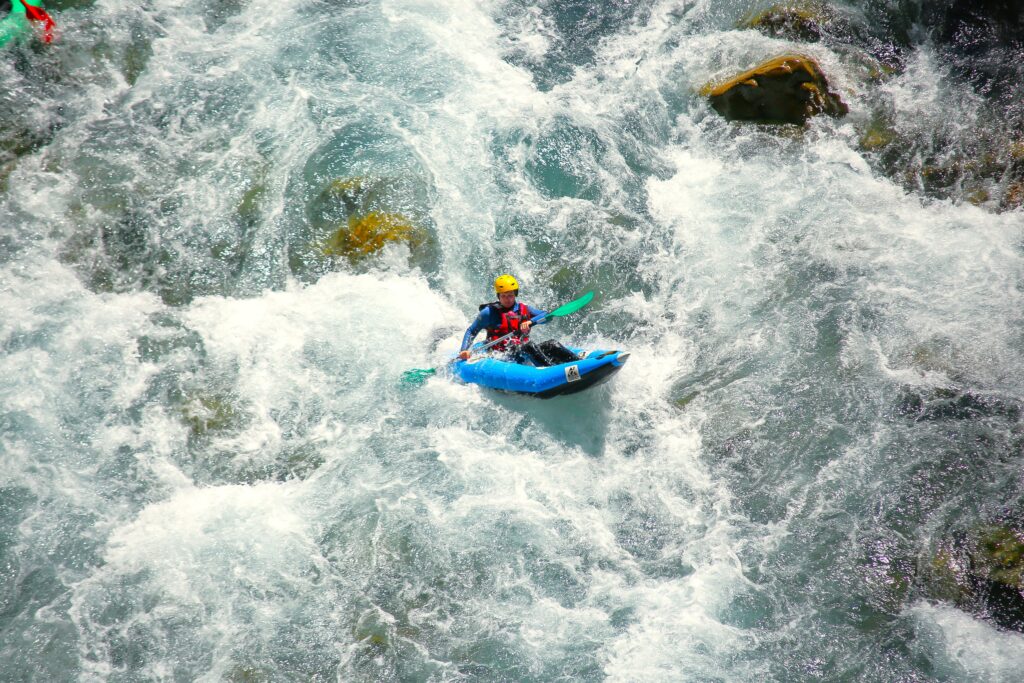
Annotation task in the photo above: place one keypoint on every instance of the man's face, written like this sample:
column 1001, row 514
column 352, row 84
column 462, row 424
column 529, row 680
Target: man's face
column 506, row 299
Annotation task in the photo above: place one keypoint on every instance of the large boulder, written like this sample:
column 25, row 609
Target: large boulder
column 786, row 89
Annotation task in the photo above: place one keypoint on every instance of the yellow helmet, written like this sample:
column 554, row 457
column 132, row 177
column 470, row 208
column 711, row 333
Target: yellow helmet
column 505, row 283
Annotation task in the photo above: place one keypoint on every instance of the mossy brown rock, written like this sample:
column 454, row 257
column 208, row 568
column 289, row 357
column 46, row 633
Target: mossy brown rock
column 368, row 234
column 352, row 219
column 1001, row 556
column 1014, row 197
column 982, row 574
column 205, row 414
column 352, row 192
column 786, row 89
column 879, row 134
column 803, row 21
column 247, row 674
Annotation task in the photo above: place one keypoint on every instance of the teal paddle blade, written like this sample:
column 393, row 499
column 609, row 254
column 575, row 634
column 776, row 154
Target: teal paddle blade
column 572, row 306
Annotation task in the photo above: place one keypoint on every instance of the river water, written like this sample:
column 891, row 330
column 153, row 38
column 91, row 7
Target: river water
column 211, row 472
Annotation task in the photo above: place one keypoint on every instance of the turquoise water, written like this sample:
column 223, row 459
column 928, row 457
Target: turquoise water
column 211, row 472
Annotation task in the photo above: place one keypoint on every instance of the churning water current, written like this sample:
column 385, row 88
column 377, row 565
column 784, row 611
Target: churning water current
column 210, row 470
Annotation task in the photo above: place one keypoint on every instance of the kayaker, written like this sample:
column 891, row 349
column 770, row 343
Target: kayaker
column 508, row 315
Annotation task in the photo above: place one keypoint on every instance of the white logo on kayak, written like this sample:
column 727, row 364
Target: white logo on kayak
column 572, row 373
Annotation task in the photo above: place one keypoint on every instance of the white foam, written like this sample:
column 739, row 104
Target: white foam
column 960, row 647
column 364, row 317
column 731, row 211
column 207, row 560
column 674, row 636
column 77, row 344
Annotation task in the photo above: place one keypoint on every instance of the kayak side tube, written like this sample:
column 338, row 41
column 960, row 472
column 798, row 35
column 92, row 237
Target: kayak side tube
column 557, row 380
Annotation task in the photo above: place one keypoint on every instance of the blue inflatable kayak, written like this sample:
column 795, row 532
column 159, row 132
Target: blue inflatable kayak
column 495, row 372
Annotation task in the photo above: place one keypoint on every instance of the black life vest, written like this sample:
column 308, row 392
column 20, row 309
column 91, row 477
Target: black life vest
column 510, row 320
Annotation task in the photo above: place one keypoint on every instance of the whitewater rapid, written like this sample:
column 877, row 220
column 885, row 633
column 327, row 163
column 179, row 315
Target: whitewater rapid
column 211, row 470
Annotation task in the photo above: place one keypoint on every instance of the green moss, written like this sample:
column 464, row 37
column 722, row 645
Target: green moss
column 1001, row 553
column 247, row 674
column 136, row 59
column 876, row 137
column 248, row 207
column 686, row 400
column 372, row 633
column 798, row 21
column 621, row 220
column 995, row 554
column 349, row 186
column 1013, row 198
column 204, row 414
column 946, row 578
column 881, row 71
column 364, row 235
column 978, row 196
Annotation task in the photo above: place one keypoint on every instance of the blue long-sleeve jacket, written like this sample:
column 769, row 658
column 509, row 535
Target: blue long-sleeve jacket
column 488, row 317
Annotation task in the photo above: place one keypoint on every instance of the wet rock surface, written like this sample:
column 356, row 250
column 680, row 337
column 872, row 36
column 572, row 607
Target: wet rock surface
column 808, row 22
column 979, row 44
column 957, row 404
column 981, row 572
column 356, row 217
column 787, row 89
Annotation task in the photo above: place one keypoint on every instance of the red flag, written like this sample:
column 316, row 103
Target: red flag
column 39, row 15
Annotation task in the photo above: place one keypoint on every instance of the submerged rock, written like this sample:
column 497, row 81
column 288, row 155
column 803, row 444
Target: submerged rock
column 798, row 21
column 981, row 573
column 366, row 235
column 352, row 193
column 786, row 89
column 1014, row 196
column 250, row 209
column 248, row 674
column 1001, row 557
column 211, row 413
column 982, row 40
column 983, row 167
column 878, row 134
column 956, row 404
column 350, row 196
column 353, row 218
column 980, row 43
